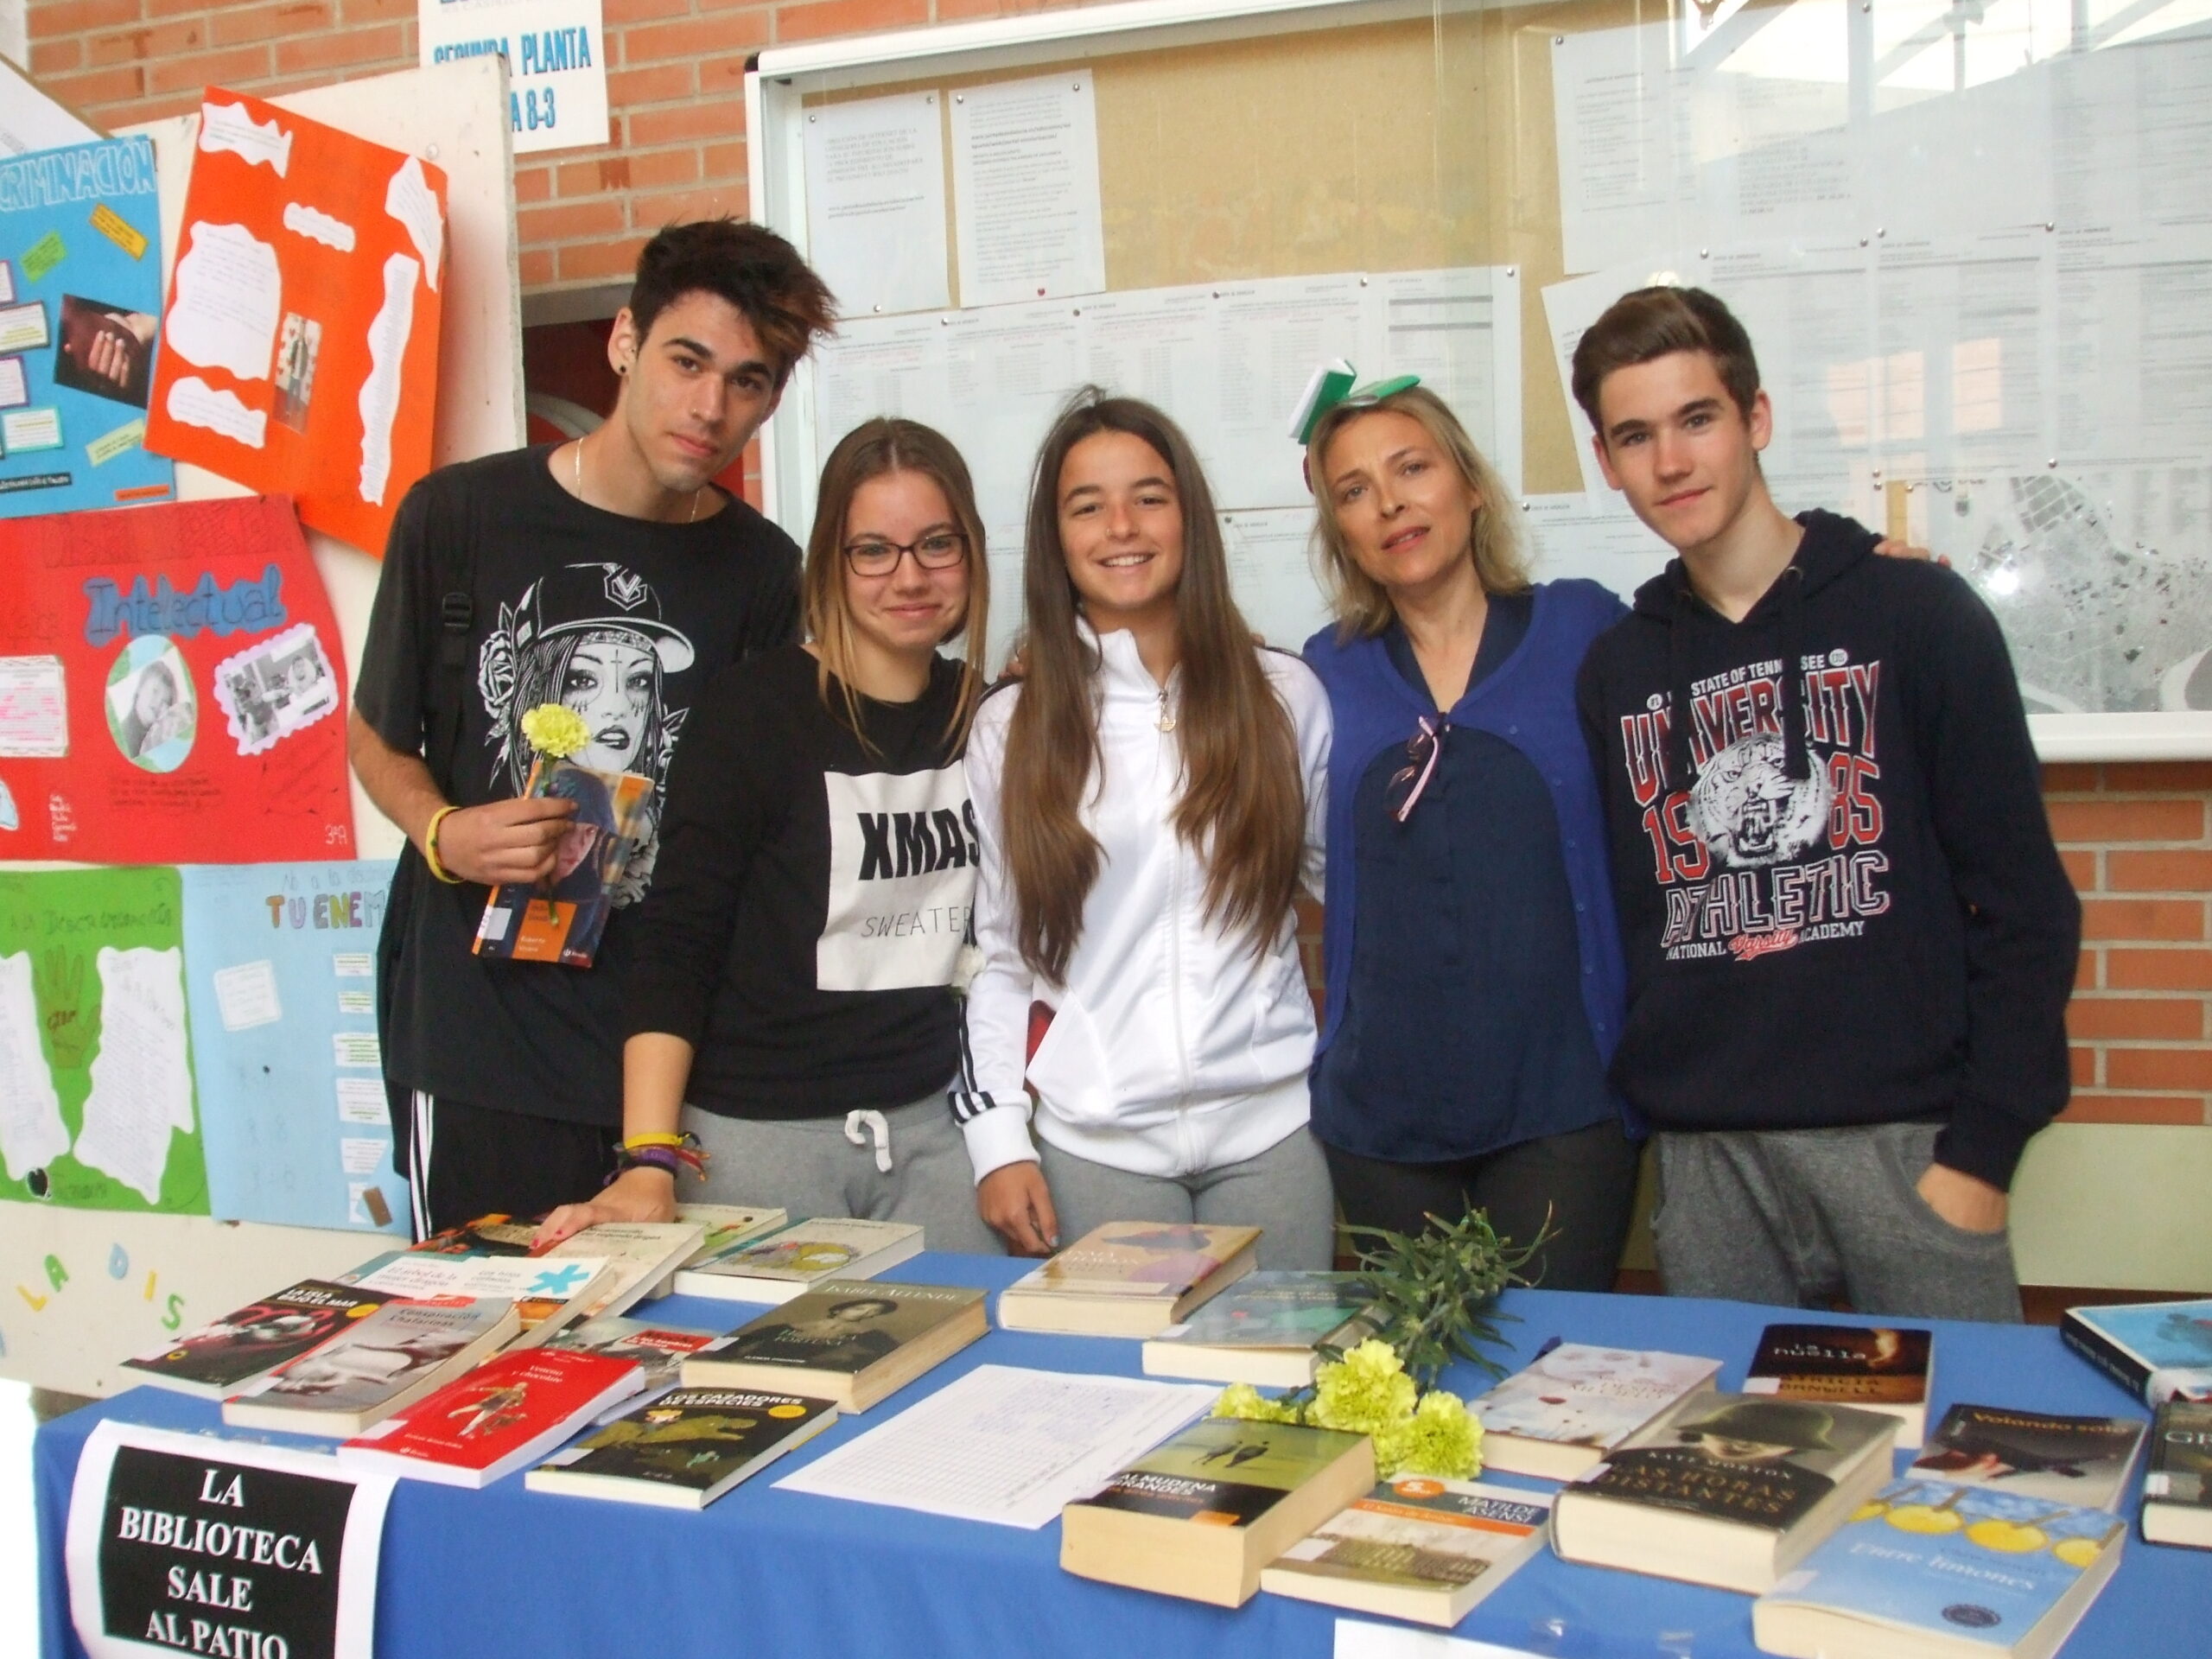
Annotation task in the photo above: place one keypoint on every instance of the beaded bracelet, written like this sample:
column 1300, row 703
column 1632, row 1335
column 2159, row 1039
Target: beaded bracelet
column 430, row 847
column 685, row 1153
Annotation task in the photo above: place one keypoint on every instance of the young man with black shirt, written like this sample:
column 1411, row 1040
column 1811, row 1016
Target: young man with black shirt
column 1850, row 938
column 610, row 575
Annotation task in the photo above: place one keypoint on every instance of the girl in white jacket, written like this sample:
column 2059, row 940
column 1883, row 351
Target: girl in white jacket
column 1149, row 798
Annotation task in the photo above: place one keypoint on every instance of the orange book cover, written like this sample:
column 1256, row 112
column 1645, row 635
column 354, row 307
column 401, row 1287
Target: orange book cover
column 300, row 345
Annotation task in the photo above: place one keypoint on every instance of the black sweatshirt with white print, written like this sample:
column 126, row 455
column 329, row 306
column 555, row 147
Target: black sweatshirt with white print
column 1838, row 889
column 811, row 896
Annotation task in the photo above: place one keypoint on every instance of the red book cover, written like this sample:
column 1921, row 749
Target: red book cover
column 510, row 1411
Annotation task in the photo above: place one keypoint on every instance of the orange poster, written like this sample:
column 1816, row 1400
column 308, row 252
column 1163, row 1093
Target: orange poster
column 299, row 349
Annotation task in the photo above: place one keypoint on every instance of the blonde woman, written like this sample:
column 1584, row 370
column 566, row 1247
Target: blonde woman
column 1474, row 969
column 790, row 1007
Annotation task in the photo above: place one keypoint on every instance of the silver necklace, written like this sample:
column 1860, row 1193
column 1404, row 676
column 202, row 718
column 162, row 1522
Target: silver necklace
column 1166, row 715
column 690, row 517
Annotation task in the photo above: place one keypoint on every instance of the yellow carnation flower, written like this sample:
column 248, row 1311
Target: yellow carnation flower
column 555, row 729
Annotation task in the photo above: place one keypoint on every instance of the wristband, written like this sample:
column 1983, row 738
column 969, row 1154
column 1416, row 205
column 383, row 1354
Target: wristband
column 662, row 1139
column 430, row 847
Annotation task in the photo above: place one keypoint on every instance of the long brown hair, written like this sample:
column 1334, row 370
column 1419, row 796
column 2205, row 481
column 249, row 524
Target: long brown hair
column 870, row 450
column 1243, row 801
column 1362, row 604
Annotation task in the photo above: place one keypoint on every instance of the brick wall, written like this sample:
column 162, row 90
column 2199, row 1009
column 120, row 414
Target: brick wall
column 2135, row 837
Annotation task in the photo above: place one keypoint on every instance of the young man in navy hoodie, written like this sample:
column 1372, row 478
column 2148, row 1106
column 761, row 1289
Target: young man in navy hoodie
column 1850, row 939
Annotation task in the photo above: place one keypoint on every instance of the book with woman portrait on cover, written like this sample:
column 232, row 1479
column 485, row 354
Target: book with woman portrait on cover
column 561, row 918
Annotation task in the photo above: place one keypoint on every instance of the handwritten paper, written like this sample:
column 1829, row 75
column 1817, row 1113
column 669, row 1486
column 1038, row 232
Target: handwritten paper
column 30, row 429
column 119, row 441
column 228, row 298
column 141, row 1076
column 246, row 995
column 14, row 387
column 229, row 127
column 34, row 709
column 357, row 1048
column 32, row 1133
column 379, row 397
column 195, row 402
column 318, row 227
column 362, row 1100
column 22, row 328
column 409, row 199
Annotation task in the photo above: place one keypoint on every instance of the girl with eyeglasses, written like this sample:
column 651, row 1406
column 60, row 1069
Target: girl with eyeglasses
column 1148, row 797
column 1475, row 983
column 790, row 1009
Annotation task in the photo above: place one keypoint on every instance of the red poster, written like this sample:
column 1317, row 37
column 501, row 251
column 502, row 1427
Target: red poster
column 171, row 689
column 300, row 348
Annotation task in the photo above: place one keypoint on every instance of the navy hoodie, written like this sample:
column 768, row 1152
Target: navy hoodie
column 1838, row 890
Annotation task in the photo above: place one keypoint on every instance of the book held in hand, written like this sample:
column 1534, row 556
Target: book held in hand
column 1728, row 1490
column 1415, row 1547
column 1876, row 1368
column 1266, row 1330
column 510, row 1411
column 376, row 1366
column 1568, row 1408
column 561, row 918
column 2177, row 1491
column 247, row 1344
column 1200, row 1515
column 1128, row 1279
column 2156, row 1351
column 684, row 1449
column 1925, row 1570
column 2084, row 1461
column 852, row 1341
column 789, row 1261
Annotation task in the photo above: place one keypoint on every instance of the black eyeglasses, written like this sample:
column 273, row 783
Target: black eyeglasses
column 1409, row 780
column 938, row 550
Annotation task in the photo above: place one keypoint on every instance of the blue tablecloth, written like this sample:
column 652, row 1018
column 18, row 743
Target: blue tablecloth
column 510, row 1572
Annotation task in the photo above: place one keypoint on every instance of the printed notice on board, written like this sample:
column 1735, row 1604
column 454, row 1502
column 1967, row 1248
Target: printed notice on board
column 179, row 1541
column 1024, row 181
column 876, row 202
column 557, row 62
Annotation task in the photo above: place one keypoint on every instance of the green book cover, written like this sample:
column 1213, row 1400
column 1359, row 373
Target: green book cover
column 694, row 1438
column 1224, row 1472
column 1278, row 1310
column 843, row 1325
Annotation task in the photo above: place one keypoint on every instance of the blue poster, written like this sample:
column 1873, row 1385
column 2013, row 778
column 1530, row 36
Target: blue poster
column 80, row 299
column 280, row 976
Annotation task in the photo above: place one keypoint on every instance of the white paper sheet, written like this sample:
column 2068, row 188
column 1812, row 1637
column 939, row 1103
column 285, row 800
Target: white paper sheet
column 32, row 1133
column 30, row 429
column 359, row 1155
column 228, row 298
column 1963, row 341
column 1008, row 371
column 195, row 402
column 482, row 1276
column 245, row 995
column 142, row 1075
column 228, row 127
column 1271, row 334
column 359, row 1048
column 318, row 227
column 1594, row 537
column 1026, row 203
column 15, row 385
column 1459, row 329
column 379, row 398
column 33, row 709
column 1005, row 1445
column 1271, row 573
column 409, row 200
column 362, row 1100
column 875, row 203
column 2131, row 367
column 22, row 328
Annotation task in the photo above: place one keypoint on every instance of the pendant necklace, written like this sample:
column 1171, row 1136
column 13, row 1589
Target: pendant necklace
column 1166, row 716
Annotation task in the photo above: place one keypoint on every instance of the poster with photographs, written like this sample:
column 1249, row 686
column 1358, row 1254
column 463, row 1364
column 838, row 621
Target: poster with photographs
column 152, row 709
column 276, row 686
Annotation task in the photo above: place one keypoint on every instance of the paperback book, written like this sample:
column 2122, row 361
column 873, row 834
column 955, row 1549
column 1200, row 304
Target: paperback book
column 1200, row 1515
column 1561, row 1415
column 2084, row 1461
column 1268, row 1329
column 642, row 1258
column 1875, row 1367
column 510, row 1411
column 376, row 1366
column 2177, row 1492
column 546, row 1295
column 2156, row 1351
column 246, row 1345
column 1415, row 1547
column 789, row 1261
column 657, row 1351
column 1728, row 1490
column 1129, row 1278
column 728, row 1225
column 684, row 1449
column 1925, row 1570
column 851, row 1341
column 561, row 918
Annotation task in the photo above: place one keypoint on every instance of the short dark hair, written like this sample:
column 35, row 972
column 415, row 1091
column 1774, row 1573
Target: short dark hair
column 1656, row 322
column 748, row 264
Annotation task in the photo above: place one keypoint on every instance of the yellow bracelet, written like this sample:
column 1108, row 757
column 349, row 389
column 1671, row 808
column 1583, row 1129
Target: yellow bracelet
column 659, row 1139
column 430, row 847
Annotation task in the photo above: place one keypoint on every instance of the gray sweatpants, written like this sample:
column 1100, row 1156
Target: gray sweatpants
column 1284, row 1191
column 1797, row 1217
column 907, row 1163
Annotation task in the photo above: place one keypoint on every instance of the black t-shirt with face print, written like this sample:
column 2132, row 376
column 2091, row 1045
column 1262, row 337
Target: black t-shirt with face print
column 622, row 620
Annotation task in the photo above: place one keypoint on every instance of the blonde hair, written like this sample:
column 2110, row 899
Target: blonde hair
column 1362, row 604
column 873, row 449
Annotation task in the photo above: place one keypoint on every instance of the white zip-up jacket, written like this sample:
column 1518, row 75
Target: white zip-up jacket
column 1173, row 1050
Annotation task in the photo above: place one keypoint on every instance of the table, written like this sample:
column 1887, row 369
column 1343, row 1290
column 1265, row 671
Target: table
column 509, row 1572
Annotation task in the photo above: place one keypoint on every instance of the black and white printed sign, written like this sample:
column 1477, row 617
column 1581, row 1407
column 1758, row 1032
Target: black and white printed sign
column 183, row 1543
